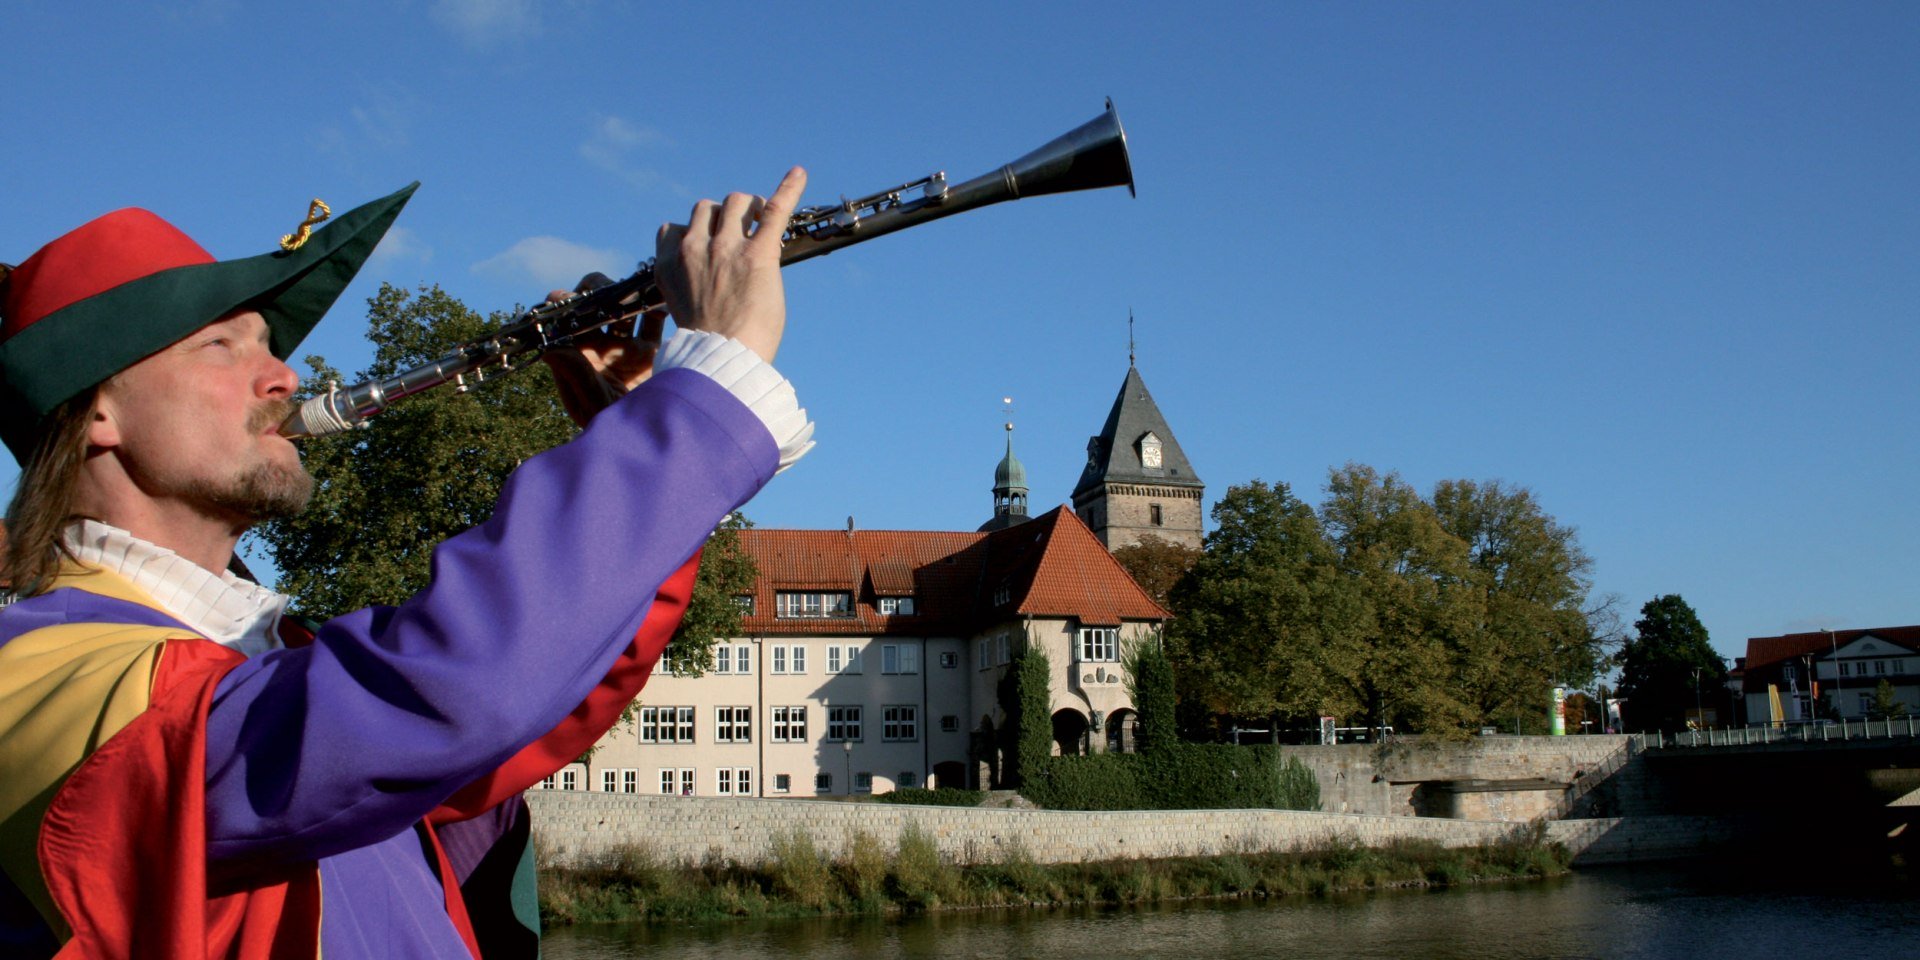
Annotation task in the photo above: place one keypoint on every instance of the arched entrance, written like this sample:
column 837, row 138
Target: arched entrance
column 949, row 773
column 1120, row 724
column 1070, row 732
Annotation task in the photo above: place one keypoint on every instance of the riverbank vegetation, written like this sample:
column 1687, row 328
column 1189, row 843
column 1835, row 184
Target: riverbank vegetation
column 800, row 879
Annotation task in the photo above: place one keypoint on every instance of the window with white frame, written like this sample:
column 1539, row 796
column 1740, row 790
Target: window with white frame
column 986, row 652
column 949, row 724
column 908, row 779
column 843, row 659
column 733, row 782
column 783, row 783
column 949, row 659
column 552, row 782
column 823, row 783
column 1866, row 703
column 789, row 724
column 676, row 781
column 896, row 606
column 569, row 779
column 863, row 782
column 843, row 723
column 610, row 780
column 900, row 722
column 1879, row 668
column 1099, row 645
column 797, row 605
column 733, row 658
column 899, row 658
column 732, row 724
column 1898, row 666
column 722, row 659
column 1003, row 648
column 629, row 781
column 666, row 724
column 745, row 602
column 788, row 659
column 1843, row 668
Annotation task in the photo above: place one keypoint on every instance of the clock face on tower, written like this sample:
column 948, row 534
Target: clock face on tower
column 1150, row 451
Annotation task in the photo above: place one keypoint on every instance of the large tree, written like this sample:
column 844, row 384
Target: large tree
column 1264, row 620
column 1530, row 576
column 1668, row 666
column 1418, row 605
column 433, row 466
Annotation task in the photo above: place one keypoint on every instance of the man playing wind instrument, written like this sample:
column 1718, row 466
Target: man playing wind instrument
column 187, row 772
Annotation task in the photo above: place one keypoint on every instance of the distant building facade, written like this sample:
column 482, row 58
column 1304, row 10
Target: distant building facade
column 1840, row 669
column 872, row 659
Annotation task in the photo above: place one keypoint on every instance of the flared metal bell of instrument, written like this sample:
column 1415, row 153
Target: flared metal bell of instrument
column 1087, row 157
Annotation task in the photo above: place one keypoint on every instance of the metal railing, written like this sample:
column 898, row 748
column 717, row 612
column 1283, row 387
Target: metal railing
column 1799, row 731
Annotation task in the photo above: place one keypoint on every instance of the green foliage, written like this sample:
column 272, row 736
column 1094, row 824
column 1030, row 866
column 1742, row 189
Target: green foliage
column 641, row 888
column 1428, row 614
column 800, row 872
column 939, row 797
column 1298, row 788
column 922, row 880
column 1264, row 620
column 1668, row 666
column 1150, row 684
column 1157, row 565
column 1886, row 704
column 433, row 466
column 1033, row 718
column 1179, row 776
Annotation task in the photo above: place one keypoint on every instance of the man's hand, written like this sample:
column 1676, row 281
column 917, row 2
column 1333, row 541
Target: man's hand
column 593, row 370
column 720, row 270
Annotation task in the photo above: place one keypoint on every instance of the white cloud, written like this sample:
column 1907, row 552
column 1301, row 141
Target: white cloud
column 620, row 147
column 401, row 245
column 482, row 24
column 554, row 263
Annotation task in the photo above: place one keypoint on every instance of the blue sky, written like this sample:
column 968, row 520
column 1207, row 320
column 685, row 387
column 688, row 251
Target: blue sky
column 1655, row 261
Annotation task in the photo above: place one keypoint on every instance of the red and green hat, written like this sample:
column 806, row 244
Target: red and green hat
column 115, row 290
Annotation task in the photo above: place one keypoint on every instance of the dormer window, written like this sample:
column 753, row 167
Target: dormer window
column 1150, row 451
column 896, row 606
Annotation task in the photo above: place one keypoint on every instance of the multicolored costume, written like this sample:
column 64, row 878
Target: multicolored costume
column 355, row 793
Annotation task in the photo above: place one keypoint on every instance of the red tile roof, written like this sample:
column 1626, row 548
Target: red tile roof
column 1049, row 566
column 1766, row 651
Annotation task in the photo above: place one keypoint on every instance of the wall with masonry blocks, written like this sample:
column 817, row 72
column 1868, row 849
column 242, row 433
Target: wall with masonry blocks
column 1382, row 779
column 571, row 828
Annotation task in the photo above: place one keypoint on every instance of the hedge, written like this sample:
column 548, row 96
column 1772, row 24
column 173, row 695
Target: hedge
column 1181, row 776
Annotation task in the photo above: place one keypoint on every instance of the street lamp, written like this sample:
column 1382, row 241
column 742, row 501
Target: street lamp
column 846, row 747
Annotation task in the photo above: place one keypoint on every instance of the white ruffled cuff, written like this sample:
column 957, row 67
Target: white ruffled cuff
column 758, row 385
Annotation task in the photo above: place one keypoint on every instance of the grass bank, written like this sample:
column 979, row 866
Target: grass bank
column 801, row 880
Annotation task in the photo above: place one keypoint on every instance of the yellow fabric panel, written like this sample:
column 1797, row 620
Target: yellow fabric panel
column 63, row 691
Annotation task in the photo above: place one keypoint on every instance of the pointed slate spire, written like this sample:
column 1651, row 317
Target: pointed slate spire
column 1135, row 445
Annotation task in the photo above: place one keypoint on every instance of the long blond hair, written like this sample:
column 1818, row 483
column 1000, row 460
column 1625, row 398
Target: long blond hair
column 42, row 503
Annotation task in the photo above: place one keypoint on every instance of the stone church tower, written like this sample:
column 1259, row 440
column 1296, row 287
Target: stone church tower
column 1137, row 480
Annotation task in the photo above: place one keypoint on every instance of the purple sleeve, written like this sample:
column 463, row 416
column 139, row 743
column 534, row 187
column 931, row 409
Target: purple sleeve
column 329, row 747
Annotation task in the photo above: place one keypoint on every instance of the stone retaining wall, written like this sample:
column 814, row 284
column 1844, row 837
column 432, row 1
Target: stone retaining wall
column 574, row 827
column 1384, row 779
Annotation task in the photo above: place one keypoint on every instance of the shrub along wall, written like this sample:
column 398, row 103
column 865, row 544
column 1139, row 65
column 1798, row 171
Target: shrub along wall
column 1179, row 776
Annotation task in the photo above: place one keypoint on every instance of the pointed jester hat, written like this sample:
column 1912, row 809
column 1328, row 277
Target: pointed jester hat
column 118, row 288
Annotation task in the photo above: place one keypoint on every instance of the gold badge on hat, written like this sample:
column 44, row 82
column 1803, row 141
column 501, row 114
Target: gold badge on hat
column 317, row 211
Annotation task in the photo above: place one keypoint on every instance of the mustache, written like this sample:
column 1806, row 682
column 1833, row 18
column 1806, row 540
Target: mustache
column 271, row 413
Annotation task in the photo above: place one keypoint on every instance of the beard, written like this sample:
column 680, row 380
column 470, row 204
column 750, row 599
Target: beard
column 259, row 491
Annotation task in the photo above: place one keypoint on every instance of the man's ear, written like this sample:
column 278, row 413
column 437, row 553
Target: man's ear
column 103, row 430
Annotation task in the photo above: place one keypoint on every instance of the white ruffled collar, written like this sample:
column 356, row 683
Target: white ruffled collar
column 220, row 606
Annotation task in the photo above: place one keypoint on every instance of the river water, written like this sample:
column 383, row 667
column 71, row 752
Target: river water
column 1696, row 912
